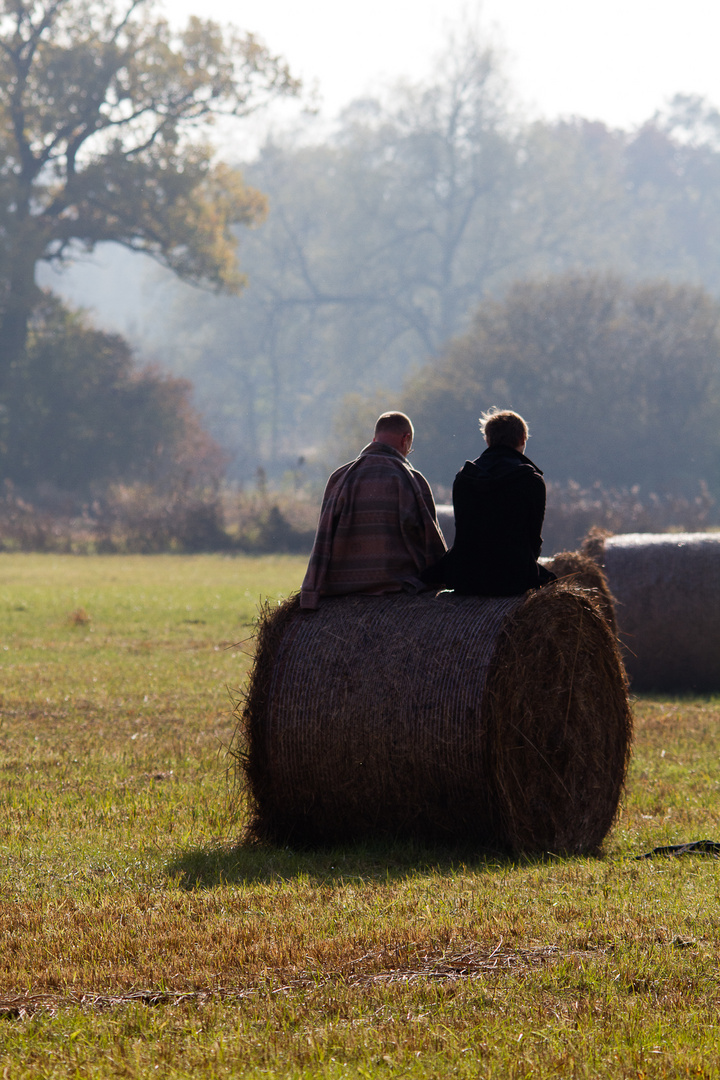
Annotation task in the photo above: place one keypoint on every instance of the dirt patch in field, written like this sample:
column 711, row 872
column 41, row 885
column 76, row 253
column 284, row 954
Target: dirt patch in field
column 364, row 971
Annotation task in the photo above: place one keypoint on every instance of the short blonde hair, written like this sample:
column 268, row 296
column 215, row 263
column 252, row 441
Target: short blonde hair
column 503, row 428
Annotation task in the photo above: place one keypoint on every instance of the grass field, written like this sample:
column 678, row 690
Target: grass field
column 139, row 940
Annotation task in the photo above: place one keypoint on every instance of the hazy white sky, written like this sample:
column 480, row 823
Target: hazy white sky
column 616, row 60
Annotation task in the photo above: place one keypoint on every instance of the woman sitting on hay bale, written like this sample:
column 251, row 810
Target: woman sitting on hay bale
column 499, row 503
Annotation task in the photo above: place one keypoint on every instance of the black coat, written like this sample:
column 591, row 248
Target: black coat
column 499, row 503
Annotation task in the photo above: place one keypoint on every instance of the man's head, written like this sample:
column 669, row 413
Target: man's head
column 504, row 428
column 396, row 430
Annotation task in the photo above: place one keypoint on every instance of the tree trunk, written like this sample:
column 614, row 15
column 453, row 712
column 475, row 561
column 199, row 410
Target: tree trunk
column 13, row 341
column 20, row 297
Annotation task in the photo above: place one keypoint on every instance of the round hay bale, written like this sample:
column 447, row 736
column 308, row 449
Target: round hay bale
column 501, row 721
column 582, row 571
column 667, row 590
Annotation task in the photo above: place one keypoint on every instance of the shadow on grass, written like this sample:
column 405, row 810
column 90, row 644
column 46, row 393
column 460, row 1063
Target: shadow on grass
column 206, row 868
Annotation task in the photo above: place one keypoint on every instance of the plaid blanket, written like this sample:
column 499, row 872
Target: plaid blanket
column 378, row 529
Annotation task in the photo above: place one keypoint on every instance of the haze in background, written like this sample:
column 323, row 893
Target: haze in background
column 270, row 368
column 616, row 61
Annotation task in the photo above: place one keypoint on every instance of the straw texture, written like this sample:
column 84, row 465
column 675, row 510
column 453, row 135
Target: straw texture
column 503, row 721
column 667, row 588
column 582, row 571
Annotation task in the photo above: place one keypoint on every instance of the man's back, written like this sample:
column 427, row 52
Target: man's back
column 377, row 531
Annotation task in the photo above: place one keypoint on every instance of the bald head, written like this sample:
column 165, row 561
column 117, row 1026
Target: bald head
column 396, row 430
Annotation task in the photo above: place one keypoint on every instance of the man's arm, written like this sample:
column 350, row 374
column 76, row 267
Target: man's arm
column 419, row 523
column 429, row 503
column 322, row 545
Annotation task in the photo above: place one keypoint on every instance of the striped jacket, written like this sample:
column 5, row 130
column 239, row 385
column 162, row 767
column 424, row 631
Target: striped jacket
column 378, row 529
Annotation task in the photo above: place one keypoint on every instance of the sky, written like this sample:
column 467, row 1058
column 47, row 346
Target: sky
column 612, row 60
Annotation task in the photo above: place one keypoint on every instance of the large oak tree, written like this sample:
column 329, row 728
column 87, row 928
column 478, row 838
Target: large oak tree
column 103, row 127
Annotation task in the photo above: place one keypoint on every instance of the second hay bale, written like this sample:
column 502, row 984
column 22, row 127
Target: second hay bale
column 667, row 589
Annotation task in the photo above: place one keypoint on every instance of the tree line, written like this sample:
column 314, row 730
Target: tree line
column 434, row 249
column 382, row 240
column 620, row 382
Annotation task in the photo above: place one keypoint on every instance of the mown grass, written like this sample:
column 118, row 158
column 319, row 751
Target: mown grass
column 138, row 939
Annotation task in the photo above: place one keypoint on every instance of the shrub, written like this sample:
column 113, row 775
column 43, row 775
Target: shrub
column 573, row 512
column 78, row 414
column 619, row 382
column 139, row 519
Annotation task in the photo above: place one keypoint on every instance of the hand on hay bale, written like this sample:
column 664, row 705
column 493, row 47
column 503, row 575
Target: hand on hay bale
column 503, row 722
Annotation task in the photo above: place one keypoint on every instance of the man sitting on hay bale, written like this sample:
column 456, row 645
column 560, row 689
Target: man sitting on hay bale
column 378, row 528
column 499, row 504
